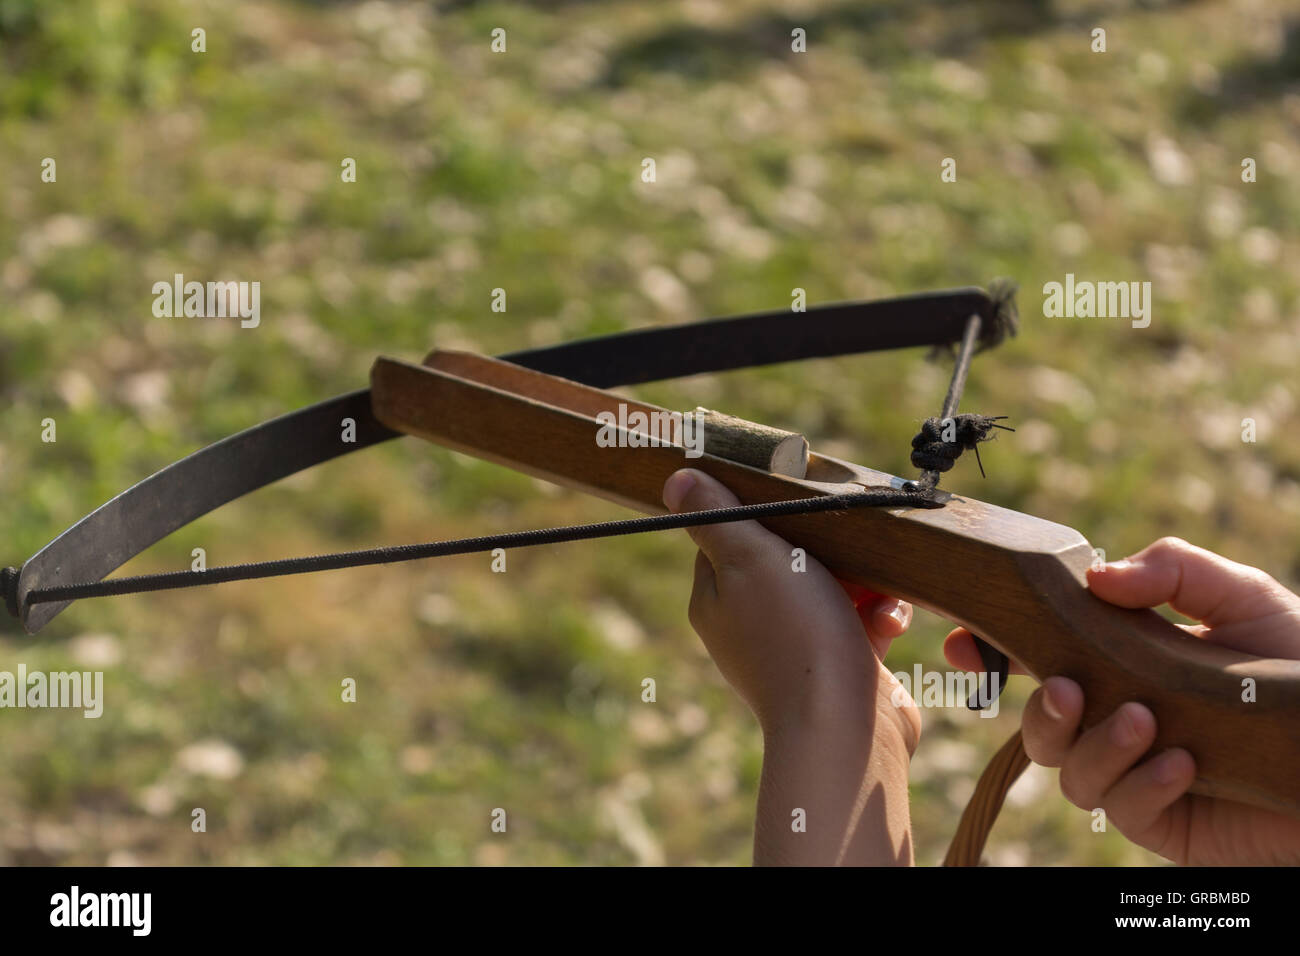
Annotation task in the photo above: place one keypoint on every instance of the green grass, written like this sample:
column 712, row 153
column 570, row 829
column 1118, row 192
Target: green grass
column 521, row 171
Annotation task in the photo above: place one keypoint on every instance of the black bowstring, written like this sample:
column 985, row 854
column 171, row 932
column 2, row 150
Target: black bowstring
column 868, row 497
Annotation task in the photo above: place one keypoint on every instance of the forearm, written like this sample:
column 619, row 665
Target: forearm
column 834, row 792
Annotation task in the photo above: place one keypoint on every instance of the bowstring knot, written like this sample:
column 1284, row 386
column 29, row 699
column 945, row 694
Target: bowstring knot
column 930, row 450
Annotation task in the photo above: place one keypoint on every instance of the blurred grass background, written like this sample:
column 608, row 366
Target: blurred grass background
column 521, row 170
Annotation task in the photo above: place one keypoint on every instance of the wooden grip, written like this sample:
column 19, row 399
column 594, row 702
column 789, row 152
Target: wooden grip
column 1013, row 579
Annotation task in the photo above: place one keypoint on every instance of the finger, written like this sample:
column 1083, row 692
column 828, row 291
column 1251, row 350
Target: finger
column 904, row 709
column 706, row 584
column 1197, row 583
column 737, row 545
column 1050, row 724
column 704, row 595
column 1104, row 753
column 885, row 619
column 1139, row 803
column 960, row 651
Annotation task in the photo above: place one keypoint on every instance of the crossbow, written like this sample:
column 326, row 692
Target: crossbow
column 1014, row 580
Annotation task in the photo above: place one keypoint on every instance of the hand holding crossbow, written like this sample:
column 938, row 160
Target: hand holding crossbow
column 1015, row 580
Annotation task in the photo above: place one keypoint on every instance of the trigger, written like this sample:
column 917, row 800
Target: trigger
column 996, row 665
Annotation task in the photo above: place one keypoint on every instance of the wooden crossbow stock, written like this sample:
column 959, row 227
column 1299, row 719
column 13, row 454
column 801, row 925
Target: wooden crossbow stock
column 1015, row 580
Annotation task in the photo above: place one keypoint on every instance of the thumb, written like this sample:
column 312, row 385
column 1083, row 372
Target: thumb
column 1194, row 582
column 737, row 544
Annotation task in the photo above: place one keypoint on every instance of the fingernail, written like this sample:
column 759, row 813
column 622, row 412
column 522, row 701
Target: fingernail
column 1050, row 706
column 1166, row 769
column 1123, row 729
column 902, row 613
column 677, row 487
column 1119, row 565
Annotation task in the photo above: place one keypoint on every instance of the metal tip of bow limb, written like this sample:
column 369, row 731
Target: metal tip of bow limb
column 1001, row 323
column 1004, row 322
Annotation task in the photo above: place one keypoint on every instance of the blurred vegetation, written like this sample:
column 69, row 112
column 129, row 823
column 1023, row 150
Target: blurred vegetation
column 521, row 170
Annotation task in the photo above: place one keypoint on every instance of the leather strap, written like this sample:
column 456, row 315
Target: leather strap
column 982, row 811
